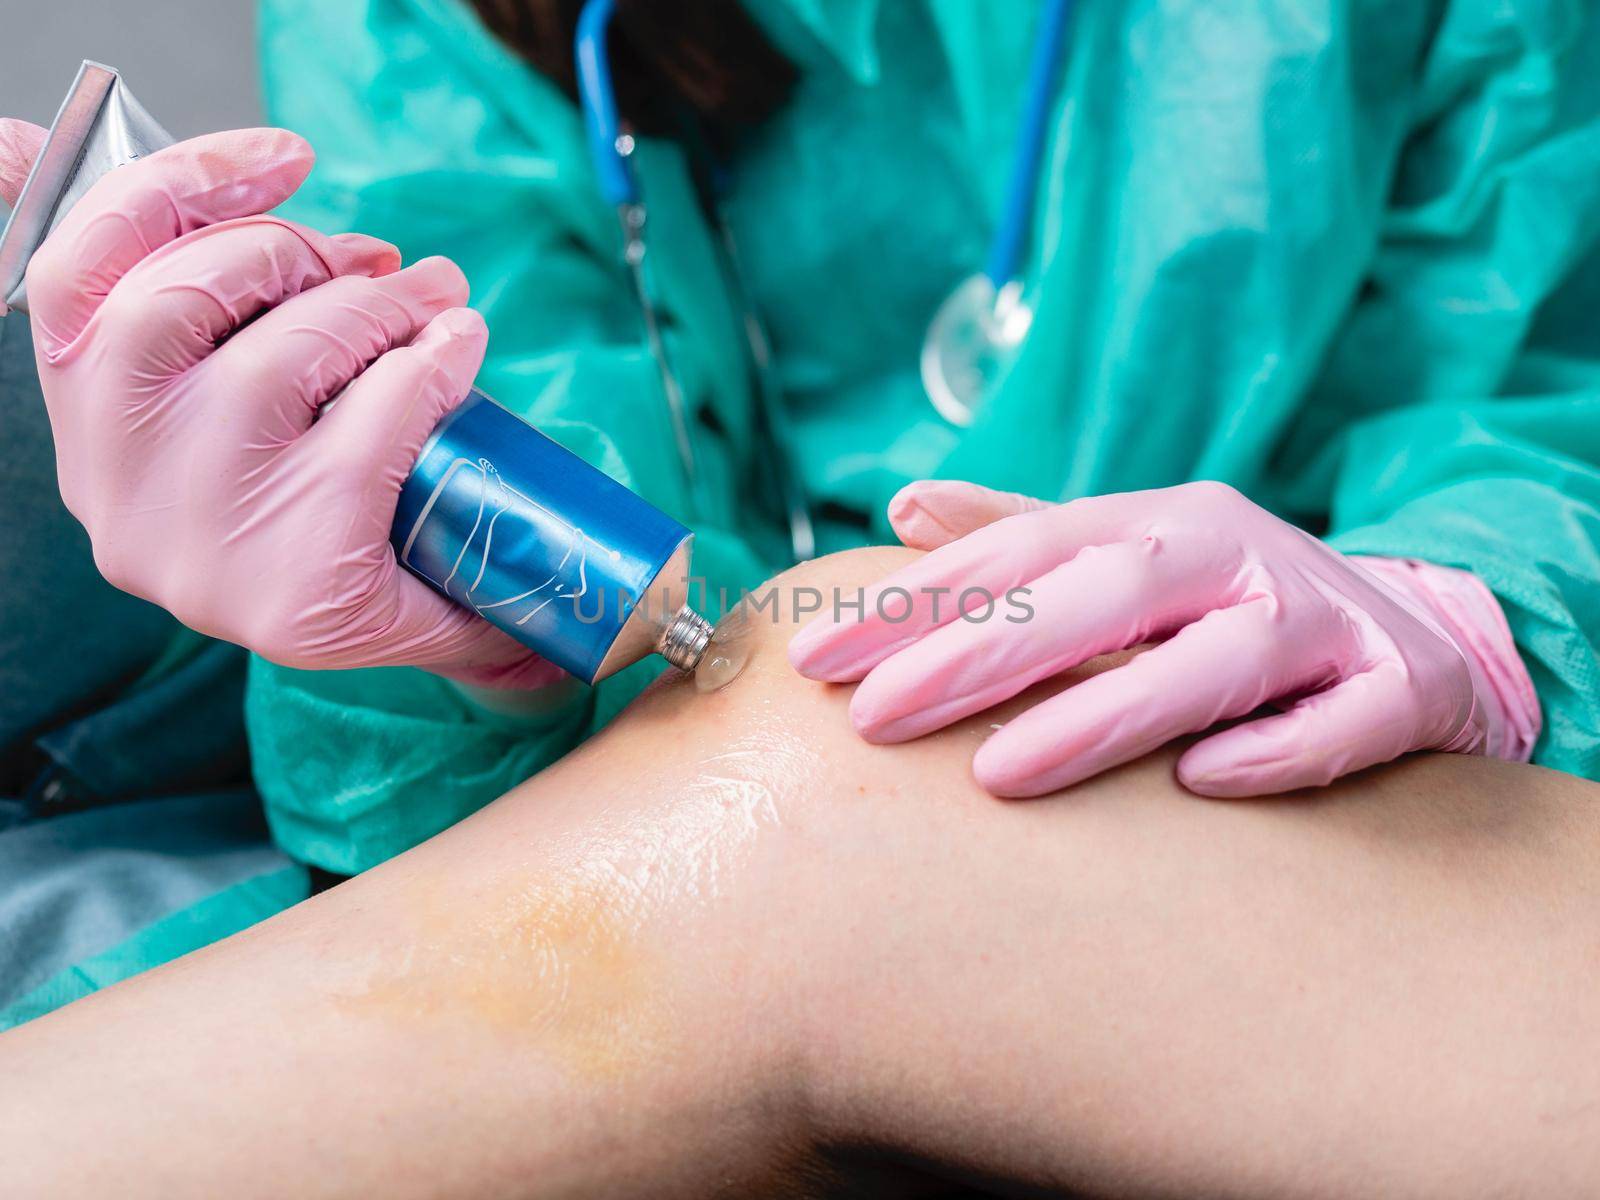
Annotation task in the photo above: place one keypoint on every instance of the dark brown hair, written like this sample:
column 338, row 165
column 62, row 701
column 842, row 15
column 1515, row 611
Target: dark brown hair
column 707, row 58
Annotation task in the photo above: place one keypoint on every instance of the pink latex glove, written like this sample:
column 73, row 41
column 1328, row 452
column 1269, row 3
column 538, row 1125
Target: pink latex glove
column 185, row 343
column 1248, row 609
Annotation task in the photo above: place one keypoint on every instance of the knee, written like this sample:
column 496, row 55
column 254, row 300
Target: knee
column 830, row 585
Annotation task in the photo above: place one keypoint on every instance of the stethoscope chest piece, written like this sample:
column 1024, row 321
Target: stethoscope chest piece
column 971, row 340
column 977, row 330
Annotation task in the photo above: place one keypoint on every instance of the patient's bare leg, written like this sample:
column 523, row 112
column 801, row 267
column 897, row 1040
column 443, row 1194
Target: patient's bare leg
column 727, row 942
column 1388, row 987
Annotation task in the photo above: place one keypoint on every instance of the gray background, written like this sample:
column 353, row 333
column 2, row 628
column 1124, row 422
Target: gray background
column 190, row 62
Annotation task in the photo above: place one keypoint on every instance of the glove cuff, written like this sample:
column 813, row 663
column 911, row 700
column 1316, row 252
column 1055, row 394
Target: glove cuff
column 1468, row 611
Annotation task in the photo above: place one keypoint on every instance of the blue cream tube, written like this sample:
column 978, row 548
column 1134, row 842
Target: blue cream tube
column 495, row 515
column 559, row 555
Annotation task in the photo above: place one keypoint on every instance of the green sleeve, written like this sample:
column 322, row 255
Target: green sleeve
column 431, row 135
column 1480, row 309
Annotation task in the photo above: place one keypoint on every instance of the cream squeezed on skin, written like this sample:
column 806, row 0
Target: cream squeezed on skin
column 727, row 655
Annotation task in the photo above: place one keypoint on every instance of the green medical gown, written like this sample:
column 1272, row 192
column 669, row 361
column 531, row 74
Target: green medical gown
column 1342, row 255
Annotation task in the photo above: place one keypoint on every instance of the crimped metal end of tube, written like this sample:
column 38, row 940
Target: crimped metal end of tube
column 685, row 639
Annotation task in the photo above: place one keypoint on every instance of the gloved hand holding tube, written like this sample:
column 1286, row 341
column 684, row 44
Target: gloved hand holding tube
column 240, row 404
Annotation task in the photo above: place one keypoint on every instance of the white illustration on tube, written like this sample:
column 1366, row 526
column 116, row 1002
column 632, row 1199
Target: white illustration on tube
column 508, row 530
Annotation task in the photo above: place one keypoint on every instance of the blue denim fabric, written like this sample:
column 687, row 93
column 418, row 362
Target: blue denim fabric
column 69, row 641
column 75, row 885
column 124, row 777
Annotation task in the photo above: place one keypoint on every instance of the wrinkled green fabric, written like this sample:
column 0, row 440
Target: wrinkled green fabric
column 1341, row 255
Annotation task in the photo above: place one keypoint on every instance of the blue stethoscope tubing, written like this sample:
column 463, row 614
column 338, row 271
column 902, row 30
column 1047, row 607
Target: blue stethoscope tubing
column 611, row 147
column 599, row 100
column 1011, row 235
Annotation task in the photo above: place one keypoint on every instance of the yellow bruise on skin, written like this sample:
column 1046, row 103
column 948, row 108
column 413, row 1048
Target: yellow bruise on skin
column 558, row 963
column 556, row 952
column 560, row 958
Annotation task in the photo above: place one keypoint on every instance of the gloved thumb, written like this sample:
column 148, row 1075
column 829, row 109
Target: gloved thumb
column 927, row 514
column 20, row 144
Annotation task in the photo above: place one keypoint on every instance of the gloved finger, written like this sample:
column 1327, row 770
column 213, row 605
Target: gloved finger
column 300, row 354
column 377, row 428
column 931, row 512
column 169, row 312
column 387, row 617
column 488, row 658
column 1226, row 664
column 20, row 143
column 134, row 211
column 1105, row 598
column 376, row 432
column 842, row 646
column 1359, row 722
column 423, row 629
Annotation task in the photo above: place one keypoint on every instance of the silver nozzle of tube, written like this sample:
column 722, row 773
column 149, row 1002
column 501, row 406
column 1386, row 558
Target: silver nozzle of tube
column 683, row 642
